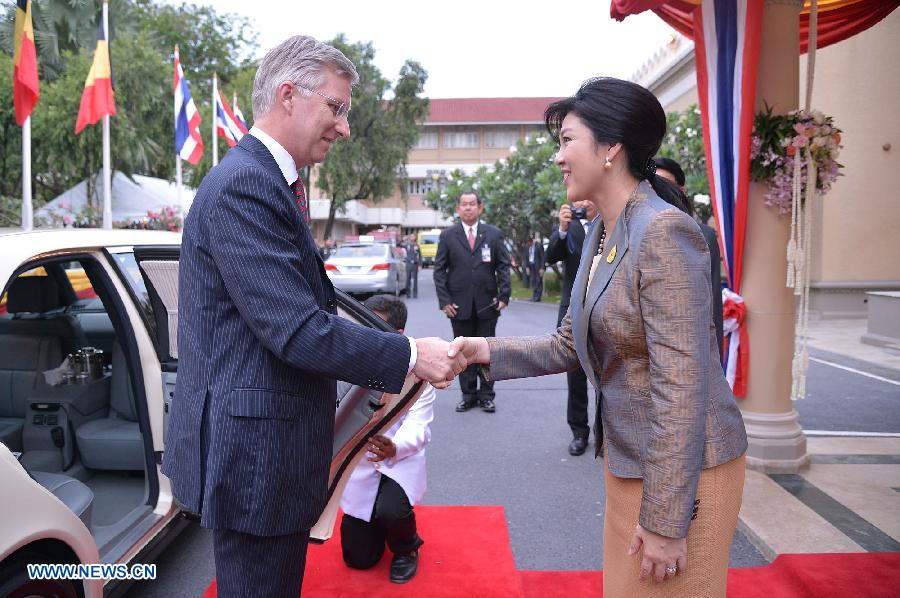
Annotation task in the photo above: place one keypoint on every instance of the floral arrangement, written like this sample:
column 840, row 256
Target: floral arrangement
column 165, row 219
column 777, row 139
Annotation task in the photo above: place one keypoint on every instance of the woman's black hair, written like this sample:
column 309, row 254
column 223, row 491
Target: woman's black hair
column 618, row 111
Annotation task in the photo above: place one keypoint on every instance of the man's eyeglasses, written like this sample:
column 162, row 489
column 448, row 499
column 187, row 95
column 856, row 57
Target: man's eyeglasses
column 339, row 108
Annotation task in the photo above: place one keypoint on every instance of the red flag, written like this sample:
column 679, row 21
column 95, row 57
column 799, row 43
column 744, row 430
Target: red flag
column 25, row 72
column 97, row 100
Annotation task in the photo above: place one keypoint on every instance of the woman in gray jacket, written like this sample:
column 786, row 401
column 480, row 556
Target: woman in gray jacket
column 640, row 325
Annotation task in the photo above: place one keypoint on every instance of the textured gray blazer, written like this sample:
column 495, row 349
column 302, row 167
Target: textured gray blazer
column 643, row 332
column 249, row 439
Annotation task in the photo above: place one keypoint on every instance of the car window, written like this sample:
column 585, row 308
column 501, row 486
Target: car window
column 429, row 239
column 360, row 251
column 132, row 274
column 39, row 271
column 79, row 280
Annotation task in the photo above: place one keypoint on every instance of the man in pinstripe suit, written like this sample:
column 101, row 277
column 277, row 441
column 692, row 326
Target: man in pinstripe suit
column 250, row 436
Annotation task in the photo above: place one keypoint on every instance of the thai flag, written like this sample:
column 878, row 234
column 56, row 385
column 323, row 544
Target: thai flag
column 239, row 117
column 227, row 126
column 726, row 36
column 188, row 142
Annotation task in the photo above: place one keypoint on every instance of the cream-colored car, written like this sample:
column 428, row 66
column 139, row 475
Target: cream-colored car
column 81, row 446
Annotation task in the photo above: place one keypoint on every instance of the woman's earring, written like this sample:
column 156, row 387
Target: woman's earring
column 608, row 164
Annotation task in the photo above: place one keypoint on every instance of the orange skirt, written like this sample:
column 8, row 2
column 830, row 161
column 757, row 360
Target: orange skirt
column 709, row 538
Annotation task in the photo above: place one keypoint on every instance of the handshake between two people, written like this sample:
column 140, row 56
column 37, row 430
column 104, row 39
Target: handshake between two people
column 439, row 362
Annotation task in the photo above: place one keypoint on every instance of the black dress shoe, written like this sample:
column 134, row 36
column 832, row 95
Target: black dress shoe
column 404, row 567
column 465, row 405
column 487, row 405
column 578, row 446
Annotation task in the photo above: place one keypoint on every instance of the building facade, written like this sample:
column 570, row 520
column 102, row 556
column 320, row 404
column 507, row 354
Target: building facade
column 463, row 133
column 856, row 227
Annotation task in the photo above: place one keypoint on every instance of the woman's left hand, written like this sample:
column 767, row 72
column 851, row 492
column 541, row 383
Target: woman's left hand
column 661, row 554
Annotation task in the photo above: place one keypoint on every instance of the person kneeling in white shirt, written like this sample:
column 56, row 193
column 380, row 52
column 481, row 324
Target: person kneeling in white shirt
column 379, row 497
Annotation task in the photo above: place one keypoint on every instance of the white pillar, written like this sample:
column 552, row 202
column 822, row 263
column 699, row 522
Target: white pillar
column 107, row 169
column 178, row 180
column 777, row 442
column 215, row 143
column 27, row 207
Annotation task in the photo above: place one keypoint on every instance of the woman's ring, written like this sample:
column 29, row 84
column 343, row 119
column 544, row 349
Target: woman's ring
column 671, row 570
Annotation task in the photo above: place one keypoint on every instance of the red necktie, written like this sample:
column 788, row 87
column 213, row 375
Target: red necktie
column 300, row 192
column 471, row 239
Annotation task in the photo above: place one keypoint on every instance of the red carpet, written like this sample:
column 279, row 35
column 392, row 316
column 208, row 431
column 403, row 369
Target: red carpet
column 467, row 553
column 869, row 575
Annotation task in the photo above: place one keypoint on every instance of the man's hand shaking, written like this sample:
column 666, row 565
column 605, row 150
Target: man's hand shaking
column 439, row 362
column 435, row 364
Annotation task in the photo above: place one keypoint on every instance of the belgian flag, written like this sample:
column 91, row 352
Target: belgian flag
column 25, row 73
column 97, row 99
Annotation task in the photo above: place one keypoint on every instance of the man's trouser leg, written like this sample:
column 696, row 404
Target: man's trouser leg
column 485, row 328
column 394, row 515
column 537, row 283
column 468, row 378
column 249, row 565
column 362, row 542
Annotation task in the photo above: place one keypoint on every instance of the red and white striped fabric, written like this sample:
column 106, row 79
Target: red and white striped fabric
column 227, row 126
column 188, row 142
column 727, row 34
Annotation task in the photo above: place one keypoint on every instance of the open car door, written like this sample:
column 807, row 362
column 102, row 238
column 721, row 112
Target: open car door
column 361, row 413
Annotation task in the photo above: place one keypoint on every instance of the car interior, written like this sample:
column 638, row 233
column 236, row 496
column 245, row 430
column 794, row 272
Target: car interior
column 82, row 431
column 79, row 435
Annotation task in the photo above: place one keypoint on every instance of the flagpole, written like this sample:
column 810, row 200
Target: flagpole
column 107, row 169
column 27, row 210
column 178, row 180
column 215, row 145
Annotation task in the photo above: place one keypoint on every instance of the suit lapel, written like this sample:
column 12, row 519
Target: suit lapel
column 261, row 153
column 479, row 238
column 461, row 235
column 576, row 307
column 615, row 248
column 255, row 148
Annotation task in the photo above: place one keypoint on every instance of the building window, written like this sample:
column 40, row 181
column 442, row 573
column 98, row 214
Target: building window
column 418, row 186
column 427, row 140
column 502, row 137
column 461, row 137
column 535, row 131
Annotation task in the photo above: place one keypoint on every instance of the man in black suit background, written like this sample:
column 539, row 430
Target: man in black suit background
column 565, row 246
column 413, row 259
column 249, row 441
column 534, row 259
column 670, row 169
column 471, row 275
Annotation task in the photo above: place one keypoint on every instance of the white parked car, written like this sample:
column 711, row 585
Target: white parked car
column 80, row 448
column 367, row 268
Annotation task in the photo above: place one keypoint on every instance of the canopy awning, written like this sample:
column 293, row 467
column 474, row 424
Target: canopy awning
column 838, row 19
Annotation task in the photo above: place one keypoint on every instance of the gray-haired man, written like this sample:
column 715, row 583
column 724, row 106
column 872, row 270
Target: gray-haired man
column 250, row 436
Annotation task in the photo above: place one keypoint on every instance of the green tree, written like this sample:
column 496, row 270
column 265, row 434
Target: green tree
column 65, row 26
column 521, row 193
column 209, row 42
column 62, row 159
column 10, row 135
column 684, row 144
column 384, row 125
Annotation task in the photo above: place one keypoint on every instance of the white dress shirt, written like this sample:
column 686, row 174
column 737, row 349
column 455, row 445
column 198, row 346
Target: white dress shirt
column 289, row 169
column 411, row 434
column 584, row 222
column 284, row 160
column 473, row 228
